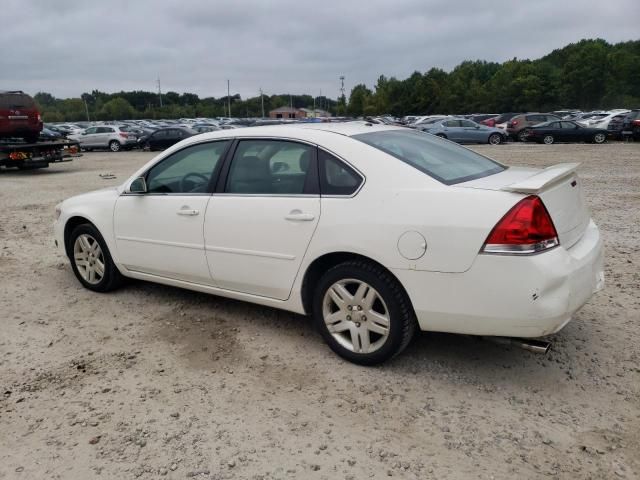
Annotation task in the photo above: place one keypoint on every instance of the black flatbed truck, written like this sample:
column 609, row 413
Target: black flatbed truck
column 26, row 156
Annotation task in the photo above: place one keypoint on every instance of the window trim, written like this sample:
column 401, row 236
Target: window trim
column 311, row 185
column 363, row 179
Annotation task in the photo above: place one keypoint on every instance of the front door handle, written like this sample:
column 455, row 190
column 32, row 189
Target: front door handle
column 188, row 212
column 298, row 216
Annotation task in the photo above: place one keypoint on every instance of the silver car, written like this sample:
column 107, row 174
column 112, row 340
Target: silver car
column 465, row 131
column 105, row 136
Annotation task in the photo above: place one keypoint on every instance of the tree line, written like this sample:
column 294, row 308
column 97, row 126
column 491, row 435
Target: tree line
column 587, row 75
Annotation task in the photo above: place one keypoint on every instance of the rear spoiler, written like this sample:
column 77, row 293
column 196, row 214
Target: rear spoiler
column 546, row 177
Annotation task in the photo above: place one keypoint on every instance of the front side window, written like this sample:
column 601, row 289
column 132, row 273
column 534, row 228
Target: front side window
column 275, row 167
column 91, row 130
column 336, row 177
column 445, row 161
column 188, row 170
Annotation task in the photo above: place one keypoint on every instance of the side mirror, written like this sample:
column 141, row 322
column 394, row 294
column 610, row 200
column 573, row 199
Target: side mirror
column 477, row 127
column 139, row 185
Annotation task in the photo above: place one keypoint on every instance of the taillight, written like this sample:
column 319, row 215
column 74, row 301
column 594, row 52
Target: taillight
column 525, row 229
column 636, row 122
column 124, row 135
column 514, row 123
column 39, row 117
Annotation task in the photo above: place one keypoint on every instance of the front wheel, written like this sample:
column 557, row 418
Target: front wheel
column 114, row 146
column 363, row 313
column 599, row 138
column 548, row 139
column 495, row 139
column 91, row 261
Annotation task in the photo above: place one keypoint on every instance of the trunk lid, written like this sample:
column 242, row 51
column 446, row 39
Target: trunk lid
column 558, row 187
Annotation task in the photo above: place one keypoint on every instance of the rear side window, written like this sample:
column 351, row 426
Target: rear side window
column 336, row 177
column 16, row 101
column 271, row 167
column 445, row 161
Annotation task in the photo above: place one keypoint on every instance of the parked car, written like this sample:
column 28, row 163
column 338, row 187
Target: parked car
column 517, row 125
column 480, row 118
column 501, row 119
column 631, row 124
column 615, row 126
column 564, row 131
column 465, row 131
column 105, row 136
column 602, row 122
column 374, row 230
column 165, row 137
column 19, row 116
column 47, row 134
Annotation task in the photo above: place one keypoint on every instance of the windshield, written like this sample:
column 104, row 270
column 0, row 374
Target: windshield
column 445, row 161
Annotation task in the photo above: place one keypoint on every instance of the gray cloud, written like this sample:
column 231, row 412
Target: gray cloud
column 71, row 46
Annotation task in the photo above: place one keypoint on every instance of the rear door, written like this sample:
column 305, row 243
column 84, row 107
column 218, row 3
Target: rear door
column 453, row 130
column 260, row 222
column 472, row 132
column 103, row 135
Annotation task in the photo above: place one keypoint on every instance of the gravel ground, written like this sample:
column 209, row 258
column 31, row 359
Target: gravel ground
column 157, row 382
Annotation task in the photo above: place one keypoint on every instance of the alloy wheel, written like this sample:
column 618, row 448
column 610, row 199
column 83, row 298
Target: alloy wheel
column 599, row 138
column 88, row 258
column 356, row 316
column 548, row 139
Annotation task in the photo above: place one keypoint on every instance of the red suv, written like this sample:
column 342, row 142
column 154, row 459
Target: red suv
column 19, row 116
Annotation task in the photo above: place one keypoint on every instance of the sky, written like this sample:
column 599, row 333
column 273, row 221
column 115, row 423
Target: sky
column 67, row 47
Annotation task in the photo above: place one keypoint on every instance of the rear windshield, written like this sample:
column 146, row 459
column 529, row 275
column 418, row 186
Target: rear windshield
column 441, row 159
column 16, row 100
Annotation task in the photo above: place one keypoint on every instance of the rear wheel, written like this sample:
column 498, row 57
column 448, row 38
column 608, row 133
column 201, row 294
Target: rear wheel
column 548, row 139
column 522, row 136
column 114, row 146
column 495, row 139
column 91, row 261
column 363, row 313
column 599, row 138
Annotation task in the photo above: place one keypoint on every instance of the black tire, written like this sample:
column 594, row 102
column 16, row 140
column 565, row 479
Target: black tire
column 495, row 139
column 402, row 324
column 112, row 277
column 522, row 136
column 115, row 146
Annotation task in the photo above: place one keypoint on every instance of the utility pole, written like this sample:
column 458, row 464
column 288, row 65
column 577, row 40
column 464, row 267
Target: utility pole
column 262, row 102
column 342, row 86
column 228, row 99
column 159, row 92
column 314, row 107
column 86, row 109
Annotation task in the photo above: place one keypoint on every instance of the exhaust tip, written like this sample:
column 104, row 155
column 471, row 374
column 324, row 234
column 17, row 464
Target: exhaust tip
column 529, row 344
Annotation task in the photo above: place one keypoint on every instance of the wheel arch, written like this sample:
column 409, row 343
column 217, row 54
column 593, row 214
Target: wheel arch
column 70, row 225
column 320, row 265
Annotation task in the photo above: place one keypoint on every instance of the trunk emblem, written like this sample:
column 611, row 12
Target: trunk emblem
column 574, row 183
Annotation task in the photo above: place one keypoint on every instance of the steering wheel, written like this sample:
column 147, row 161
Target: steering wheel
column 184, row 184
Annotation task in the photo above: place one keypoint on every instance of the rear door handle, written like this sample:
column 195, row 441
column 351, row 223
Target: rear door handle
column 298, row 216
column 188, row 212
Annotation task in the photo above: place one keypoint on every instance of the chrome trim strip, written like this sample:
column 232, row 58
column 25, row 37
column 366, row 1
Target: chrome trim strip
column 530, row 249
column 253, row 253
column 193, row 246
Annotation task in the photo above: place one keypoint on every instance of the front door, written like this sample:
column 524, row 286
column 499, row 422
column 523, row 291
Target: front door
column 258, row 228
column 161, row 232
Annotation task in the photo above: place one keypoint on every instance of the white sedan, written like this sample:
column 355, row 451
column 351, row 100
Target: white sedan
column 374, row 230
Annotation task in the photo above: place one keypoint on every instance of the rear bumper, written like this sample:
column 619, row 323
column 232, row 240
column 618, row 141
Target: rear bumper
column 504, row 295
